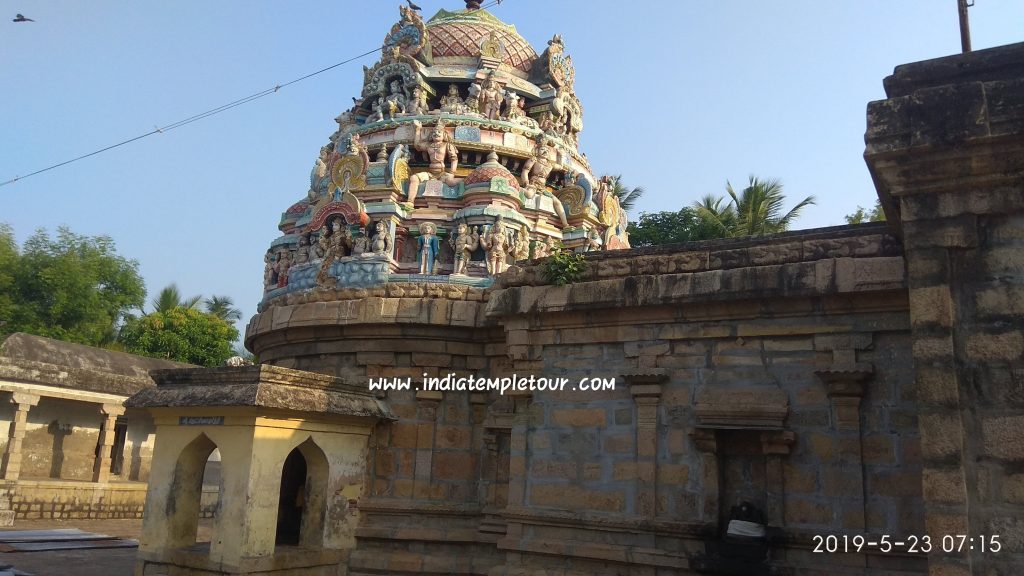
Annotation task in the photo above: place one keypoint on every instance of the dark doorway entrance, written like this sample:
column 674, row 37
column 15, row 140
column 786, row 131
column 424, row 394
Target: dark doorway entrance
column 292, row 499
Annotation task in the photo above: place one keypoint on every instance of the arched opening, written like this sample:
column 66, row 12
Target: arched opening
column 184, row 502
column 291, row 500
column 302, row 498
column 210, row 500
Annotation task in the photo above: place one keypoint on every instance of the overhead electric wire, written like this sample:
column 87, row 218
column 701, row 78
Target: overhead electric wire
column 208, row 113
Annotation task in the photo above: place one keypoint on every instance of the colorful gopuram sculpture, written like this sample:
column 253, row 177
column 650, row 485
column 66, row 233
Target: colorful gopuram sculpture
column 474, row 140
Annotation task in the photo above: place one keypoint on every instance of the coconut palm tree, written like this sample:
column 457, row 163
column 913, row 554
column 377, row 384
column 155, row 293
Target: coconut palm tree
column 170, row 298
column 756, row 210
column 224, row 308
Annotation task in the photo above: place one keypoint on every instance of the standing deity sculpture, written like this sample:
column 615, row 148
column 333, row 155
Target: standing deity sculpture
column 284, row 263
column 439, row 148
column 429, row 247
column 536, row 170
column 490, row 99
column 382, row 240
column 496, row 243
column 269, row 266
column 463, row 244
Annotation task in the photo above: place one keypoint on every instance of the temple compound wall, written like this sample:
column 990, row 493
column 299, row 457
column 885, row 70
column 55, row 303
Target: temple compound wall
column 859, row 380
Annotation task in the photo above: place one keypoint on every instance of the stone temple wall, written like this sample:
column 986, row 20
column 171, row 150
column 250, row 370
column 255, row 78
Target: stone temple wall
column 859, row 380
column 774, row 371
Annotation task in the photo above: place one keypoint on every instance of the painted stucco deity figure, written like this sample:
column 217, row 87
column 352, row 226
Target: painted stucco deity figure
column 547, row 123
column 269, row 266
column 593, row 241
column 439, row 149
column 491, row 99
column 535, row 174
column 336, row 245
column 452, row 102
column 604, row 187
column 542, row 248
column 302, row 253
column 521, row 245
column 496, row 243
column 323, row 245
column 473, row 101
column 418, row 103
column 429, row 247
column 463, row 243
column 382, row 239
column 284, row 263
column 394, row 104
column 378, row 108
column 361, row 243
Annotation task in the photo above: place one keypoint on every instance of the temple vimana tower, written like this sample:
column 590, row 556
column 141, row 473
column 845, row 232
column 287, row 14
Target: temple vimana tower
column 781, row 405
column 459, row 158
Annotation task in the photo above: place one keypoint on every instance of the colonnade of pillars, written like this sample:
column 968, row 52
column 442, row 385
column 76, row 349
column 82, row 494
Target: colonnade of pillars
column 10, row 466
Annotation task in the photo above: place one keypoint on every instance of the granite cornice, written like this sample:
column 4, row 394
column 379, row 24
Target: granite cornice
column 82, row 379
column 262, row 386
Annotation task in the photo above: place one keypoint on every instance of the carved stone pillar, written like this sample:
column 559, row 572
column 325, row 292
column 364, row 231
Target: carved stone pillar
column 646, row 392
column 775, row 445
column 427, row 403
column 845, row 380
column 946, row 153
column 706, row 443
column 11, row 466
column 101, row 466
column 517, row 449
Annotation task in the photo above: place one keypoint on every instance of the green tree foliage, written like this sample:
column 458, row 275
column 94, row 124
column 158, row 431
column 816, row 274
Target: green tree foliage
column 876, row 214
column 564, row 267
column 74, row 288
column 182, row 333
column 658, row 228
column 754, row 211
column 8, row 265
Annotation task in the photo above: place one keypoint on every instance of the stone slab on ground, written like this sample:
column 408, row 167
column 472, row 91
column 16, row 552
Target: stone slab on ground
column 95, row 562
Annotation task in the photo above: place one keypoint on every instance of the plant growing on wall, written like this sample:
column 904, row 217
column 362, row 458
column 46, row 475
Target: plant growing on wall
column 563, row 267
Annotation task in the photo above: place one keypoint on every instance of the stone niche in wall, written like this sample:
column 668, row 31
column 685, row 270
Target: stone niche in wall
column 741, row 435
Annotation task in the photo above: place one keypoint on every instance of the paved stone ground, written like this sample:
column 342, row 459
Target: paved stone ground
column 102, row 562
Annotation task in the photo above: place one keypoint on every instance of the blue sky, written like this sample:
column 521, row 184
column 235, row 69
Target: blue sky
column 679, row 96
